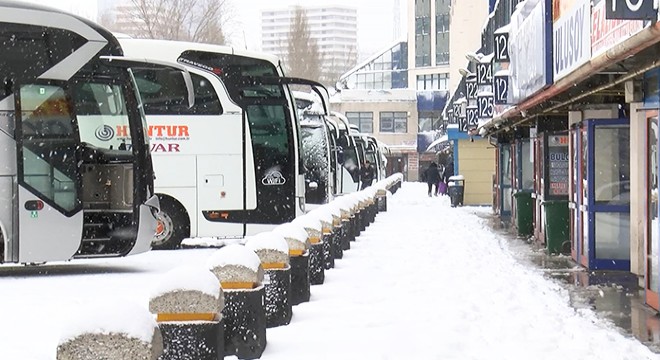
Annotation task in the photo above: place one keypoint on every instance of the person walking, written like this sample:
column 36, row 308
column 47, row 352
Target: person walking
column 367, row 174
column 432, row 177
column 442, row 184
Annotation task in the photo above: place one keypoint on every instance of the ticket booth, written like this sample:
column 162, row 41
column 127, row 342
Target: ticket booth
column 600, row 193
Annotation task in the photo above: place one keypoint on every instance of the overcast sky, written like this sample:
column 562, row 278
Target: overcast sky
column 375, row 18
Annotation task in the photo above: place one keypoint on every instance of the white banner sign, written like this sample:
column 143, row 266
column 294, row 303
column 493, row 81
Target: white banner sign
column 572, row 39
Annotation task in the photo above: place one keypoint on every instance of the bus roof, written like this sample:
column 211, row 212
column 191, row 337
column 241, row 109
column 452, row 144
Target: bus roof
column 171, row 50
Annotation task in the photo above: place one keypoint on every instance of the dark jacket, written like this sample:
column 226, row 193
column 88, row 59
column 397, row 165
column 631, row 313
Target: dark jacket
column 367, row 174
column 449, row 171
column 431, row 174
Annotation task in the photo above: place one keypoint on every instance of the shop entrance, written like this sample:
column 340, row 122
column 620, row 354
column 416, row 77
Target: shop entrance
column 601, row 227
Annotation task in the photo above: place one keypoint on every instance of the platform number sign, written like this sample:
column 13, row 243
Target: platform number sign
column 501, row 89
column 471, row 114
column 485, row 106
column 462, row 124
column 484, row 73
column 630, row 9
column 471, row 89
column 457, row 110
column 501, row 44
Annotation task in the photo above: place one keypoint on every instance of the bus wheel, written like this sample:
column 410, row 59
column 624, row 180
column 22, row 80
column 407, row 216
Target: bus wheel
column 173, row 225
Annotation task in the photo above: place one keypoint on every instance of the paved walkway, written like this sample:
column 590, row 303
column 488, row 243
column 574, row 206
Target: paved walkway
column 613, row 295
column 427, row 281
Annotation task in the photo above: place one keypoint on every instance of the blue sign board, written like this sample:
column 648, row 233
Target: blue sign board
column 530, row 49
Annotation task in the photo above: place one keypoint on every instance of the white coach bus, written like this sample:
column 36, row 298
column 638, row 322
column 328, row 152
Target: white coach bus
column 230, row 166
column 66, row 189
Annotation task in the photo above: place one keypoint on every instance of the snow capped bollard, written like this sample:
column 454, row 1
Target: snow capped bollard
column 363, row 216
column 117, row 330
column 398, row 180
column 241, row 276
column 338, row 231
column 381, row 196
column 188, row 304
column 373, row 203
column 273, row 252
column 297, row 239
column 314, row 231
column 347, row 229
column 328, row 237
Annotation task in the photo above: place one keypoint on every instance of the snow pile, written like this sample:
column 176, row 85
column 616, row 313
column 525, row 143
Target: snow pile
column 325, row 217
column 296, row 237
column 187, row 289
column 271, row 248
column 335, row 211
column 110, row 330
column 313, row 227
column 344, row 208
column 236, row 264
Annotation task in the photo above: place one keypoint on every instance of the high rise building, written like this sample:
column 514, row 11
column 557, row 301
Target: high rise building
column 440, row 33
column 333, row 27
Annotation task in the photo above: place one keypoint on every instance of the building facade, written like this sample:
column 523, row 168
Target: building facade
column 333, row 27
column 440, row 33
column 389, row 115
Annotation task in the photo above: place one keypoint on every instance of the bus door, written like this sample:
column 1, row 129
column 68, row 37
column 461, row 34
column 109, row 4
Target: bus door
column 271, row 149
column 48, row 200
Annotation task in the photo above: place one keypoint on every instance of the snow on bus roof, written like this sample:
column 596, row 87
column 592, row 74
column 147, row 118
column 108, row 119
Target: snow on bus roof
column 171, row 50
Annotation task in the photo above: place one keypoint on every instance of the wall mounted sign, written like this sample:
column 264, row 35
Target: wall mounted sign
column 631, row 9
column 571, row 38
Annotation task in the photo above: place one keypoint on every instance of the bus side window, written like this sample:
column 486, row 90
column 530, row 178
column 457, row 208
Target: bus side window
column 165, row 94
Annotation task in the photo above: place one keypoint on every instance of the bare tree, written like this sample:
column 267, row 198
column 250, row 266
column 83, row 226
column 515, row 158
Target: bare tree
column 334, row 66
column 187, row 20
column 302, row 58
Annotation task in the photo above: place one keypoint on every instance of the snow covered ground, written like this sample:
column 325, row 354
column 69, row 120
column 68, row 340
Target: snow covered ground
column 425, row 281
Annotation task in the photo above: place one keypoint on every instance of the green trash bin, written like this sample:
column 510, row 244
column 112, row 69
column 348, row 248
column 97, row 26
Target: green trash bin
column 557, row 226
column 524, row 213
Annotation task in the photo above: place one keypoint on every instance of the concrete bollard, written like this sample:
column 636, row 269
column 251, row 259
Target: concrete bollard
column 381, row 195
column 117, row 330
column 328, row 236
column 241, row 276
column 337, row 229
column 273, row 252
column 373, row 204
column 363, row 216
column 298, row 241
column 352, row 201
column 188, row 304
column 314, row 231
column 346, row 229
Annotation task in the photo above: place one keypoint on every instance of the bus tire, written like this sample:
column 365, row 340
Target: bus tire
column 173, row 224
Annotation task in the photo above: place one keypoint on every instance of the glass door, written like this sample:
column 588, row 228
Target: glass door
column 583, row 218
column 652, row 235
column 505, row 180
column 573, row 152
column 608, row 185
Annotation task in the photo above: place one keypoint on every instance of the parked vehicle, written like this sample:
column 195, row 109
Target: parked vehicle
column 77, row 178
column 231, row 165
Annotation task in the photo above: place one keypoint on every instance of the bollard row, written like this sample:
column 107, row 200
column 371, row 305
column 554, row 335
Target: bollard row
column 224, row 308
